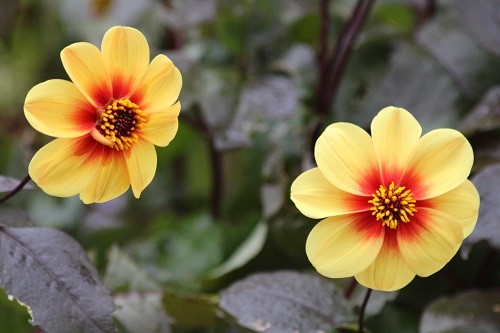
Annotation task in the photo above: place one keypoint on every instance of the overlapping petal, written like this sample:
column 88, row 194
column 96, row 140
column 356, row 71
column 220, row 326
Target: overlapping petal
column 65, row 167
column 343, row 246
column 395, row 134
column 141, row 164
column 160, row 86
column 66, row 114
column 316, row 197
column 85, row 66
column 110, row 181
column 125, row 52
column 429, row 240
column 462, row 203
column 344, row 154
column 389, row 271
column 441, row 161
column 162, row 125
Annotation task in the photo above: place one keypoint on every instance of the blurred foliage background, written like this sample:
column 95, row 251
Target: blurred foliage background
column 218, row 209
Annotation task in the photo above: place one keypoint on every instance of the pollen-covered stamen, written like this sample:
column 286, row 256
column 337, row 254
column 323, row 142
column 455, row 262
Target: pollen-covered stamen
column 117, row 123
column 392, row 205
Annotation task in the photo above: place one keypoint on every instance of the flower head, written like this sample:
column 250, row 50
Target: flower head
column 107, row 120
column 394, row 204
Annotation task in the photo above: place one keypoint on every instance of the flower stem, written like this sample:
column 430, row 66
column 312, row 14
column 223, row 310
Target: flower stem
column 362, row 311
column 331, row 68
column 16, row 189
column 217, row 180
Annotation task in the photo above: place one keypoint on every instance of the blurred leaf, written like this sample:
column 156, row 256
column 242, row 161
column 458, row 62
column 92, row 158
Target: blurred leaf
column 190, row 310
column 232, row 31
column 481, row 19
column 9, row 11
column 393, row 316
column 272, row 197
column 417, row 83
column 141, row 312
column 272, row 97
column 306, row 29
column 378, row 299
column 181, row 251
column 269, row 98
column 7, row 184
column 52, row 212
column 298, row 57
column 248, row 249
column 49, row 272
column 183, row 14
column 122, row 274
column 485, row 116
column 467, row 312
column 289, row 231
column 398, row 16
column 286, row 301
column 14, row 217
column 467, row 64
column 487, row 182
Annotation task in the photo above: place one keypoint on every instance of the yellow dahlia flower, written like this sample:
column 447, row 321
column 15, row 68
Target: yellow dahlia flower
column 394, row 204
column 107, row 120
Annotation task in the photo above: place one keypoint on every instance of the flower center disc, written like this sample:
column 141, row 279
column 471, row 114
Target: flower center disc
column 392, row 205
column 117, row 122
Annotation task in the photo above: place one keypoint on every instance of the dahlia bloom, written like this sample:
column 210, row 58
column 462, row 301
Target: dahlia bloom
column 394, row 204
column 107, row 120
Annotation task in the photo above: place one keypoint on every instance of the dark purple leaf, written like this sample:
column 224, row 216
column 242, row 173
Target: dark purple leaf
column 49, row 273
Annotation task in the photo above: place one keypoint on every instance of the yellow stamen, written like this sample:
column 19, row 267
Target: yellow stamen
column 392, row 205
column 117, row 123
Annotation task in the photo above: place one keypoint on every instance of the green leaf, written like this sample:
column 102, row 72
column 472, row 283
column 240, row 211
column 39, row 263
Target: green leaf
column 248, row 249
column 286, row 301
column 141, row 312
column 487, row 182
column 399, row 16
column 191, row 310
column 181, row 251
column 15, row 317
column 50, row 274
column 481, row 20
column 122, row 274
column 467, row 312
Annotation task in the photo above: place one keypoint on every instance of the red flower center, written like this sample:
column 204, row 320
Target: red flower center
column 117, row 123
column 392, row 205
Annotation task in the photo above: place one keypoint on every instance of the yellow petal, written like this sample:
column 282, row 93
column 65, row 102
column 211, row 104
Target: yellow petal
column 389, row 271
column 160, row 86
column 441, row 161
column 343, row 246
column 57, row 108
column 141, row 165
column 126, row 54
column 162, row 125
column 64, row 167
column 84, row 64
column 395, row 133
column 429, row 240
column 344, row 154
column 462, row 203
column 110, row 181
column 317, row 198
